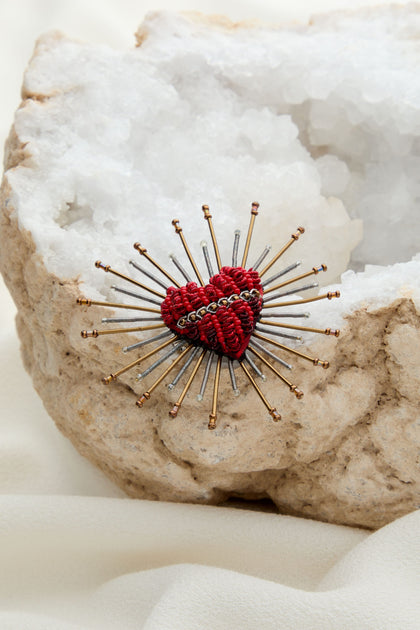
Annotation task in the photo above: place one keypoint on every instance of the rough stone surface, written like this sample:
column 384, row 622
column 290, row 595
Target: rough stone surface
column 348, row 452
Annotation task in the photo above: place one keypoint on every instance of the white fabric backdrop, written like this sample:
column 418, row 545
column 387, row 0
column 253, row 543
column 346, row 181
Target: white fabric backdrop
column 74, row 553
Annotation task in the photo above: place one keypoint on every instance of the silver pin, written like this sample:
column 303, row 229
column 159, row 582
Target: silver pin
column 235, row 248
column 137, row 295
column 262, row 257
column 258, row 345
column 207, row 258
column 236, row 391
column 306, row 315
column 205, row 377
column 148, row 274
column 313, row 285
column 179, row 346
column 254, row 367
column 180, row 267
column 270, row 331
column 281, row 273
column 115, row 320
column 139, row 344
column 184, row 367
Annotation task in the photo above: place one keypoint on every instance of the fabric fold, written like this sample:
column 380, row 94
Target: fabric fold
column 90, row 562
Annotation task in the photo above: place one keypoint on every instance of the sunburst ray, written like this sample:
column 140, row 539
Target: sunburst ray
column 229, row 308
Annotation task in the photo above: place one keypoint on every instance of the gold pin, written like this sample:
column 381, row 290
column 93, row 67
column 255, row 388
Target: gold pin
column 178, row 230
column 143, row 252
column 96, row 333
column 213, row 414
column 112, row 377
column 178, row 403
column 330, row 295
column 323, row 331
column 293, row 238
column 87, row 302
column 146, row 396
column 293, row 388
column 271, row 410
column 313, row 271
column 324, row 364
column 254, row 212
column 108, row 269
column 207, row 216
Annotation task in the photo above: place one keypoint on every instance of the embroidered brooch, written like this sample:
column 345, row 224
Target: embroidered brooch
column 225, row 321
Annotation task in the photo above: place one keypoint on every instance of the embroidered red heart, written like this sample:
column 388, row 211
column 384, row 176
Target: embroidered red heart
column 220, row 316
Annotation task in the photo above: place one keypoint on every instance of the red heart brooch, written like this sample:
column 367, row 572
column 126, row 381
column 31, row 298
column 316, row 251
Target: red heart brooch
column 225, row 320
column 221, row 316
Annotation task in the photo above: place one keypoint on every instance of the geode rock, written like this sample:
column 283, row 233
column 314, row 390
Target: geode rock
column 318, row 123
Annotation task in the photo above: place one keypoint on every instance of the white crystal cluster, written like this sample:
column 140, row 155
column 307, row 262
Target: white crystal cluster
column 300, row 119
column 374, row 288
column 122, row 142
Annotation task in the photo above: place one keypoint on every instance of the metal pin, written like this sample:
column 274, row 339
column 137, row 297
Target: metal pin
column 314, row 270
column 180, row 267
column 293, row 238
column 271, row 410
column 281, row 273
column 235, row 248
column 270, row 354
column 306, row 287
column 148, row 274
column 139, row 344
column 178, row 403
column 236, row 391
column 213, row 413
column 261, row 257
column 205, row 377
column 207, row 216
column 254, row 211
column 330, row 295
column 207, row 258
column 322, row 331
column 254, row 366
column 117, row 320
column 184, row 368
column 112, row 377
column 306, row 315
column 315, row 361
column 82, row 301
column 137, row 295
column 277, row 333
column 178, row 230
column 96, row 333
column 87, row 302
column 298, row 393
column 159, row 361
column 140, row 402
column 107, row 268
column 143, row 252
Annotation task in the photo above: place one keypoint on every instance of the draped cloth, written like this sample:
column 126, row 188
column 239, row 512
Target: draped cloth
column 93, row 562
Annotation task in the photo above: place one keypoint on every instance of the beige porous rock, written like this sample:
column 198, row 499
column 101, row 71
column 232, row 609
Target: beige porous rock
column 108, row 147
